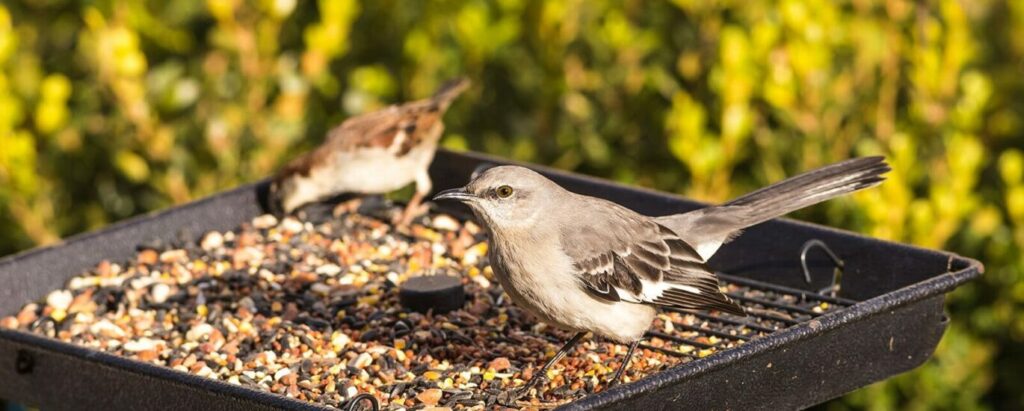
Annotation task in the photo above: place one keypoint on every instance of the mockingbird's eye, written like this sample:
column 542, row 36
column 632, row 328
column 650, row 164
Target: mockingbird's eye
column 504, row 191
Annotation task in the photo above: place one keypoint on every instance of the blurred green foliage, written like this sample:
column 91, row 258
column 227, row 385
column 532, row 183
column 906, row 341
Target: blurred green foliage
column 112, row 108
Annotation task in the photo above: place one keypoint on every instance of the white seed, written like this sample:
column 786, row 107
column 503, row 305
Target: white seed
column 142, row 282
column 60, row 299
column 82, row 282
column 329, row 270
column 111, row 281
column 474, row 253
column 229, row 326
column 212, row 241
column 142, row 344
column 362, row 361
column 264, row 221
column 291, row 225
column 339, row 341
column 105, row 328
column 445, row 222
column 160, row 292
column 270, row 356
column 320, row 288
column 198, row 332
column 171, row 256
column 482, row 281
column 206, row 372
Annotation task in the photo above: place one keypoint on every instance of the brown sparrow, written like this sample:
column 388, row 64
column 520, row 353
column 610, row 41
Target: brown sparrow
column 373, row 153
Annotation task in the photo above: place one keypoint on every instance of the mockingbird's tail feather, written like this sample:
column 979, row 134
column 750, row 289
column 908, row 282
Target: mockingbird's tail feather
column 708, row 228
column 681, row 298
column 808, row 189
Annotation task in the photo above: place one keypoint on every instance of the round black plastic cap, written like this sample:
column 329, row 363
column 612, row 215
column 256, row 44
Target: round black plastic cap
column 441, row 293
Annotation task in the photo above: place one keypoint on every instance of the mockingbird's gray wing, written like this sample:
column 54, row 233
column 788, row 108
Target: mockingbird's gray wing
column 619, row 255
column 708, row 228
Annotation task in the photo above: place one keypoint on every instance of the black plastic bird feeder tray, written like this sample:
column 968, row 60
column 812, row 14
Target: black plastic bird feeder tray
column 890, row 321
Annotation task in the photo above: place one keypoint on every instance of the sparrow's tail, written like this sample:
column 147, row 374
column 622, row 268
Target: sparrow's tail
column 448, row 91
column 706, row 229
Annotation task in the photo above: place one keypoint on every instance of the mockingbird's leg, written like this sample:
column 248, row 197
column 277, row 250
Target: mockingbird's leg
column 509, row 397
column 625, row 364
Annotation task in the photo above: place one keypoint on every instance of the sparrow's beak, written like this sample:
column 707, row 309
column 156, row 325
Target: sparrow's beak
column 458, row 194
column 273, row 201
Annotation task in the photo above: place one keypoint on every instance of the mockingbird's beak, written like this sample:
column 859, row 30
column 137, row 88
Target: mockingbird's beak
column 458, row 194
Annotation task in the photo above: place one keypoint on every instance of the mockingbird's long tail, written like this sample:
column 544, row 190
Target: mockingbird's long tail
column 708, row 228
column 808, row 189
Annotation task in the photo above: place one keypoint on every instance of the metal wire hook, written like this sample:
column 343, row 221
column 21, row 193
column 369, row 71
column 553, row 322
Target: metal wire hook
column 357, row 403
column 38, row 324
column 837, row 272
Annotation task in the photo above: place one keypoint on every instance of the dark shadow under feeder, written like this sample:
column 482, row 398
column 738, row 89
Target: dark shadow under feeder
column 886, row 319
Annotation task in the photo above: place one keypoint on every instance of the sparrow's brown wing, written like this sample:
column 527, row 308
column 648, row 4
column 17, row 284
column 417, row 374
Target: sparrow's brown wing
column 398, row 128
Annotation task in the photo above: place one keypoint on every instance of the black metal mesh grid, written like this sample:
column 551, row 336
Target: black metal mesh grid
column 769, row 307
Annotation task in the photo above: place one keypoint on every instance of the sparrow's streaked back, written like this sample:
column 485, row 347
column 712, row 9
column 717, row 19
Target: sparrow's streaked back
column 373, row 153
column 586, row 264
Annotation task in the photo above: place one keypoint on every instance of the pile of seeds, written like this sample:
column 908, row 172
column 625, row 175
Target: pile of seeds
column 311, row 311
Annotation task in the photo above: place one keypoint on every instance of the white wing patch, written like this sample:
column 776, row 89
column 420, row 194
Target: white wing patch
column 652, row 290
column 708, row 249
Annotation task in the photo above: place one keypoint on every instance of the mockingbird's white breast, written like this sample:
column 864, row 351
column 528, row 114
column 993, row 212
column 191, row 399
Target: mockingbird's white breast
column 539, row 276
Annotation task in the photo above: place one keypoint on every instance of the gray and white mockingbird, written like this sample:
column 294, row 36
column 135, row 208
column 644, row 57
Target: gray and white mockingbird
column 373, row 153
column 586, row 264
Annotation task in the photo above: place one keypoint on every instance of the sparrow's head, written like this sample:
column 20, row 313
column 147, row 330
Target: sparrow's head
column 507, row 196
column 275, row 200
column 293, row 186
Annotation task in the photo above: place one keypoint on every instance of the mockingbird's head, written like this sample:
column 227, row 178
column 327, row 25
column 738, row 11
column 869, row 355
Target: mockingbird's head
column 507, row 196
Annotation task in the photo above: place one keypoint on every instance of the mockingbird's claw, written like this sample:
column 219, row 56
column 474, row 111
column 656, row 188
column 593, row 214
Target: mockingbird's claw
column 511, row 397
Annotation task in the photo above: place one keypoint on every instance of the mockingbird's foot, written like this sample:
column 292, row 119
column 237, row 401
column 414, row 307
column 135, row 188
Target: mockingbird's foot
column 508, row 398
column 625, row 363
column 511, row 397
